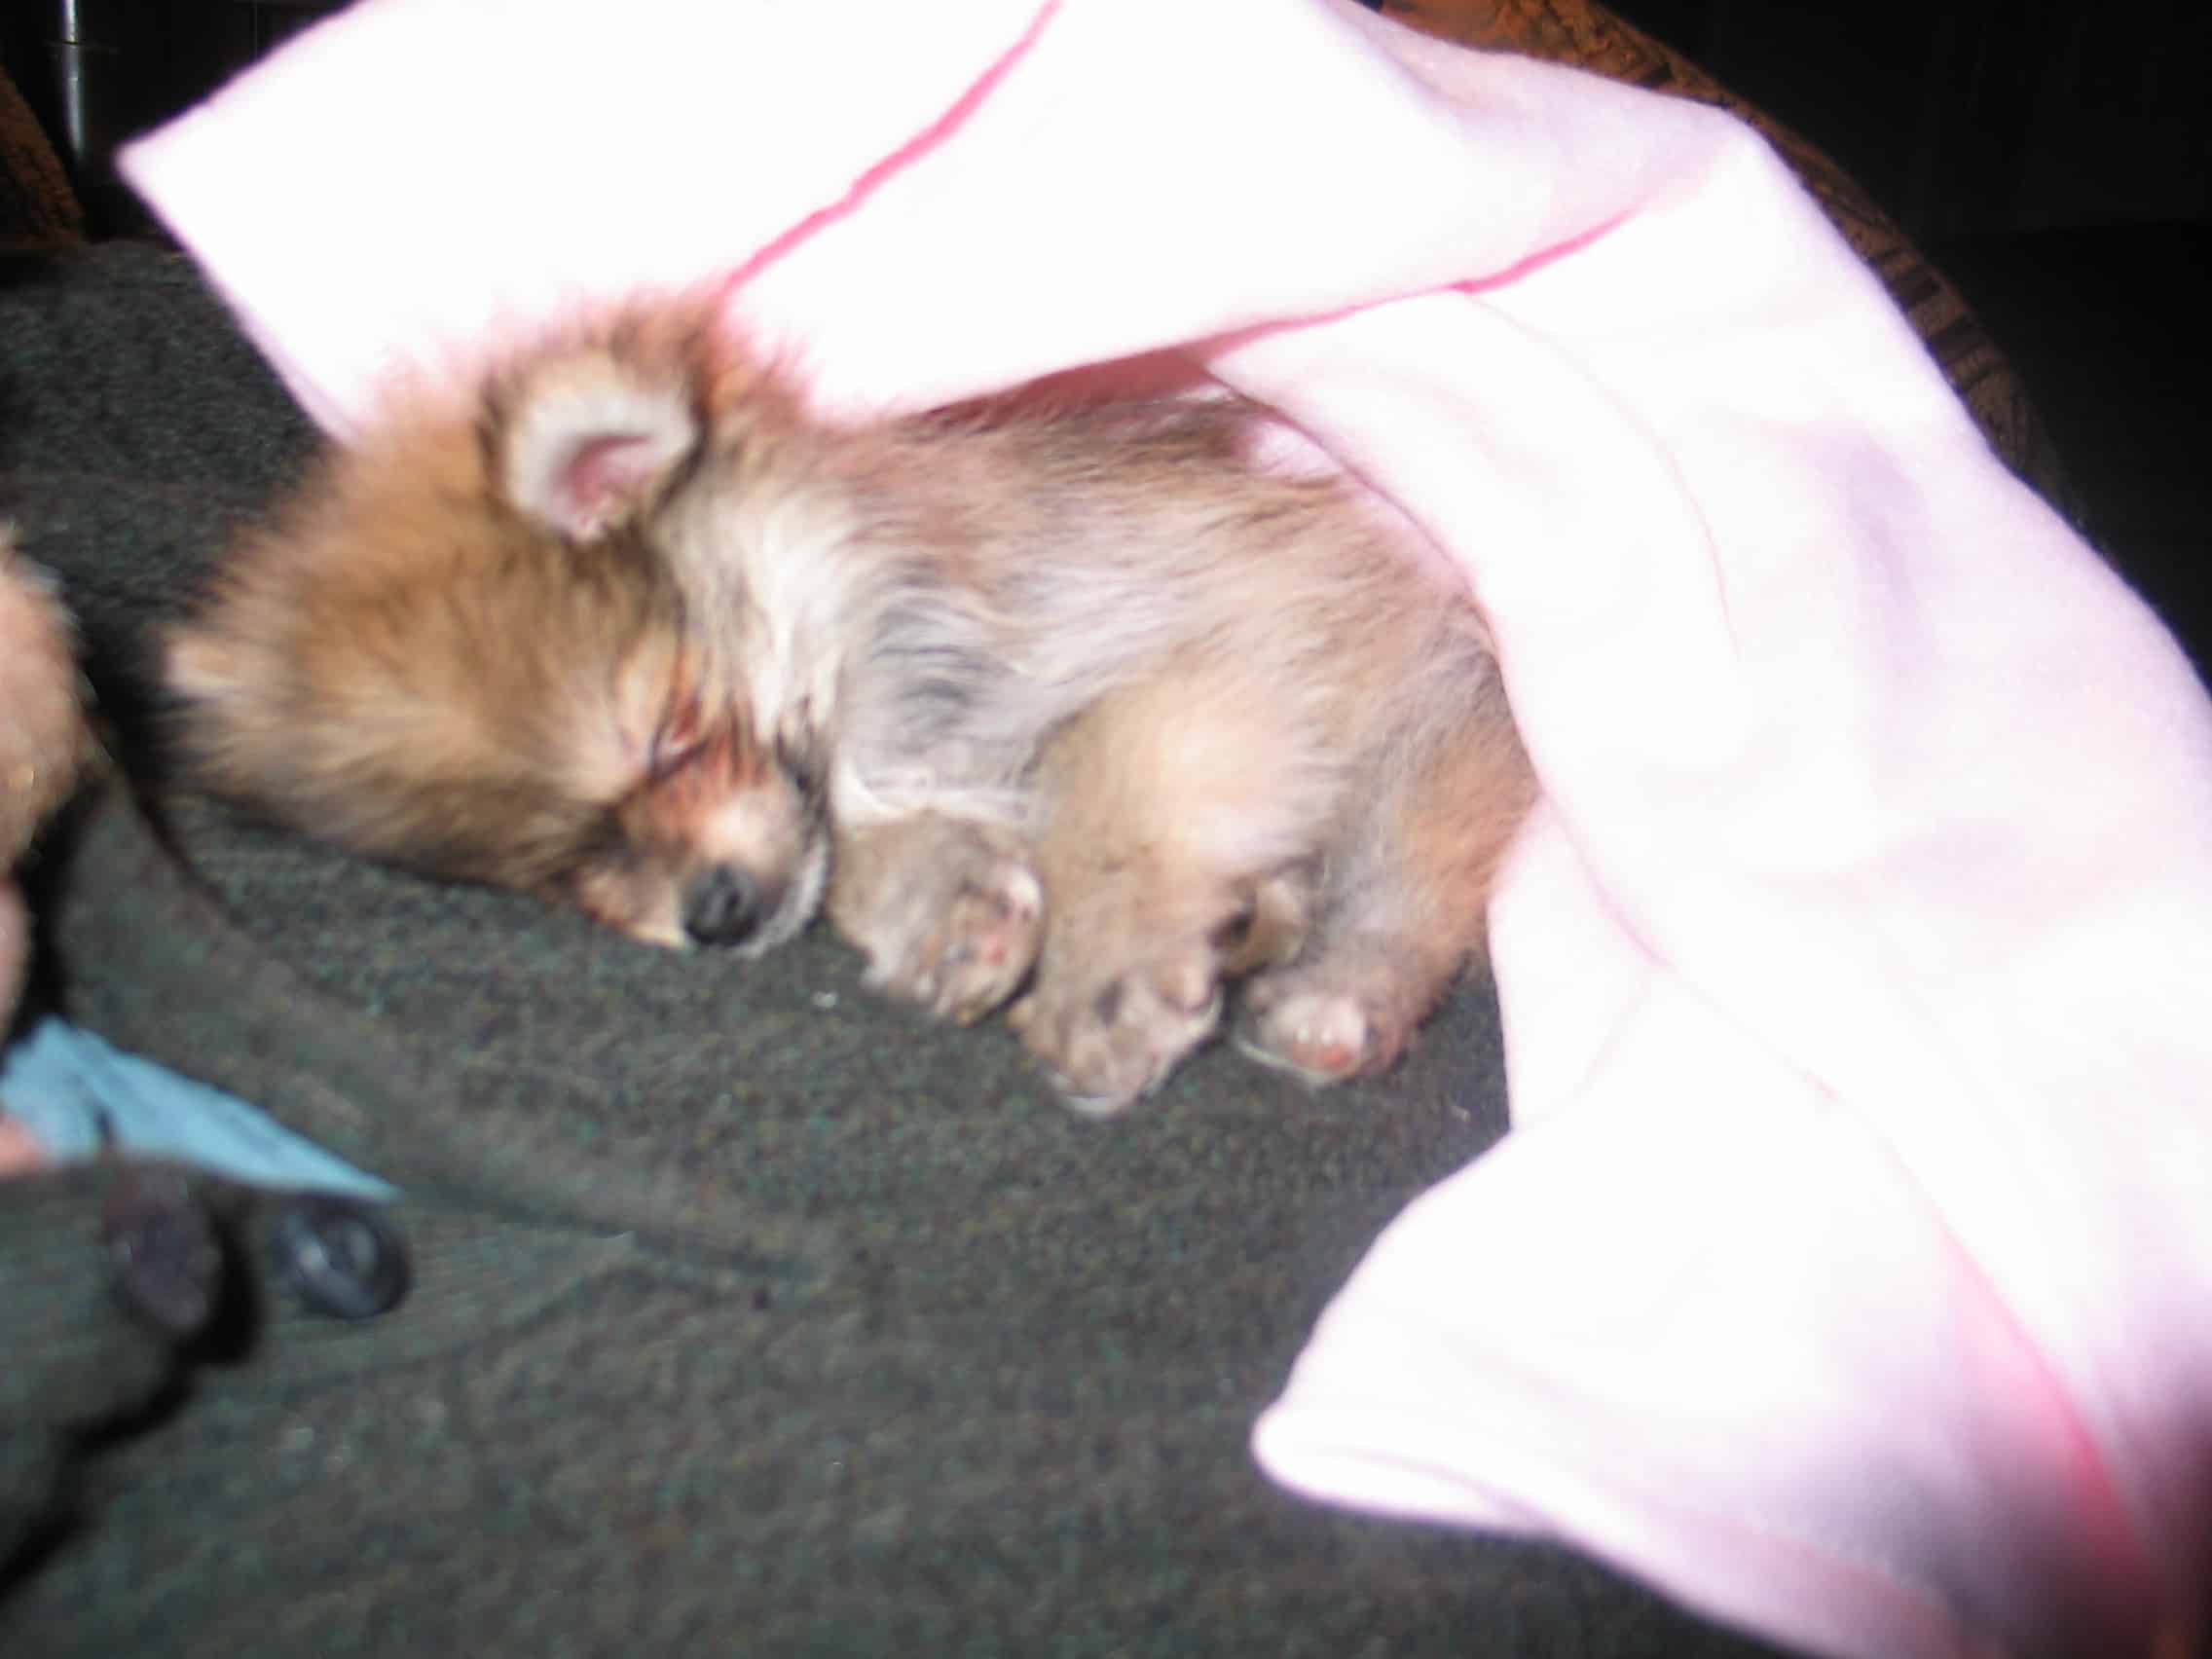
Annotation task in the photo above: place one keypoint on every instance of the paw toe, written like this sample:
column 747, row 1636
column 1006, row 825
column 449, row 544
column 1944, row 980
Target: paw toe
column 1320, row 1035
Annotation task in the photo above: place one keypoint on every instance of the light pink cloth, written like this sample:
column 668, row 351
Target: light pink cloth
column 1848, row 1270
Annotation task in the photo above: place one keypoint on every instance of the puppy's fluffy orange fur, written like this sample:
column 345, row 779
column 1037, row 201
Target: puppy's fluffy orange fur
column 1076, row 713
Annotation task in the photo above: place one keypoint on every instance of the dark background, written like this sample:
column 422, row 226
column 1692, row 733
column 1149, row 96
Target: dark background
column 2054, row 160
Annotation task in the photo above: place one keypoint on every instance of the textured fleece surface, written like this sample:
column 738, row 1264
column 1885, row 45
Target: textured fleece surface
column 751, row 1314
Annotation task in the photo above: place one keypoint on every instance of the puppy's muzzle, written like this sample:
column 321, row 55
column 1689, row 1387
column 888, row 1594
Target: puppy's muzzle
column 724, row 906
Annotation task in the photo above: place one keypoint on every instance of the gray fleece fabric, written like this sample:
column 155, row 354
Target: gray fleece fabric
column 749, row 1315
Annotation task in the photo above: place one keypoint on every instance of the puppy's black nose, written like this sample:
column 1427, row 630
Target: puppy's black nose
column 721, row 906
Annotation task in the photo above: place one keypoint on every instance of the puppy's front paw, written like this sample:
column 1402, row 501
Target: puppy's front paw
column 1110, row 1036
column 949, row 914
column 982, row 946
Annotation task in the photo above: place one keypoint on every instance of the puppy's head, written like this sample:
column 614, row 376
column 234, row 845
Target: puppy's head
column 467, row 648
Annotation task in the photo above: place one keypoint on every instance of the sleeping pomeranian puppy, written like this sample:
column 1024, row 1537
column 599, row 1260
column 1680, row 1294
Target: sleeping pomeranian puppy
column 1078, row 713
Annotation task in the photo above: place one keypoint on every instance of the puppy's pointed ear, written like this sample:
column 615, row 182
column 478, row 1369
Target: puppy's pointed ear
column 581, row 442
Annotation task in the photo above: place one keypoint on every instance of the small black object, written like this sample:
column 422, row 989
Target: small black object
column 164, row 1256
column 340, row 1257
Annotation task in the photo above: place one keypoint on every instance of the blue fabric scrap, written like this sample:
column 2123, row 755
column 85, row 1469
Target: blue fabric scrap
column 76, row 1093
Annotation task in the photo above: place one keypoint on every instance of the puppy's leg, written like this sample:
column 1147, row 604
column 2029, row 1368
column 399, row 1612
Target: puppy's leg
column 1174, row 819
column 1404, row 907
column 948, row 911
